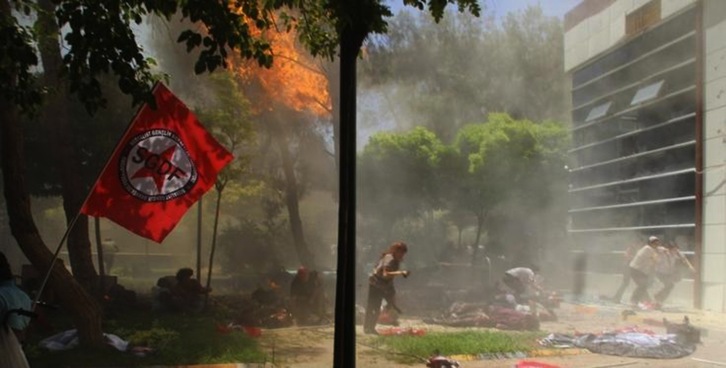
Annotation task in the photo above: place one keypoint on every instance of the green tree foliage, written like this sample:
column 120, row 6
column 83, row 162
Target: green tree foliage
column 505, row 161
column 18, row 83
column 456, row 72
column 100, row 40
column 395, row 179
column 96, row 137
column 227, row 114
column 503, row 169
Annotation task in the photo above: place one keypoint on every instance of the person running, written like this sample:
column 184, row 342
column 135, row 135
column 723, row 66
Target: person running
column 380, row 284
column 629, row 254
column 642, row 268
column 668, row 271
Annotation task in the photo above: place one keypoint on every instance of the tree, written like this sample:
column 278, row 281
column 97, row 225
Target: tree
column 290, row 98
column 230, row 122
column 65, row 147
column 395, row 178
column 502, row 159
column 456, row 72
column 100, row 39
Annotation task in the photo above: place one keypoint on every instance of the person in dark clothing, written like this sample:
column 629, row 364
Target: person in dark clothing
column 187, row 292
column 629, row 254
column 301, row 291
column 380, row 284
column 668, row 270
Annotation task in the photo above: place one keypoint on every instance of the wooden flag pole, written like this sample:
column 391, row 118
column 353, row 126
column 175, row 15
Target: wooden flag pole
column 214, row 246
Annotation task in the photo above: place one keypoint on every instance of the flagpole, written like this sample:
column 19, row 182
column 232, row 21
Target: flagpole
column 88, row 195
column 214, row 245
column 199, row 239
column 55, row 256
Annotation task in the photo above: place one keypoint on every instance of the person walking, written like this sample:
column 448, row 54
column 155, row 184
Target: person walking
column 642, row 268
column 380, row 284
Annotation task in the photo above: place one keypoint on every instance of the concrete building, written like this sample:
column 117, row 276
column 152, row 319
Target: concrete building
column 649, row 137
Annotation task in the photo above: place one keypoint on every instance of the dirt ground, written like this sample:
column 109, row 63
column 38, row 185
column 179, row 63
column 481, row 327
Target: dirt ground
column 312, row 347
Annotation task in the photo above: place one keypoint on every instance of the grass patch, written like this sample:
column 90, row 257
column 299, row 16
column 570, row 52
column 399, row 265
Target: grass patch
column 177, row 340
column 409, row 349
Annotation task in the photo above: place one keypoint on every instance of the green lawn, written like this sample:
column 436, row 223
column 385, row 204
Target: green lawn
column 177, row 339
column 411, row 349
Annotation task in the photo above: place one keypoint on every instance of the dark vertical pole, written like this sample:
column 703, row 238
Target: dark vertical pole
column 214, row 246
column 199, row 238
column 344, row 345
column 698, row 219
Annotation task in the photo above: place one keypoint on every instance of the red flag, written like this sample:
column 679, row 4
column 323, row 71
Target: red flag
column 163, row 164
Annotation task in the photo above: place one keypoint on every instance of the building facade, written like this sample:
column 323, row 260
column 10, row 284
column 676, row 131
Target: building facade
column 649, row 136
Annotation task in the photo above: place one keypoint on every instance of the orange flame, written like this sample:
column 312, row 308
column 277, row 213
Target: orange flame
column 294, row 80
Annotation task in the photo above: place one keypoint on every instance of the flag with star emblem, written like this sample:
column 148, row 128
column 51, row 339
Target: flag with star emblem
column 164, row 163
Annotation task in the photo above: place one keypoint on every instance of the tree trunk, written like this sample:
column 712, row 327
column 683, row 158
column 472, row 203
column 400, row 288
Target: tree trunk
column 58, row 122
column 292, row 201
column 334, row 87
column 85, row 311
column 480, row 216
column 351, row 40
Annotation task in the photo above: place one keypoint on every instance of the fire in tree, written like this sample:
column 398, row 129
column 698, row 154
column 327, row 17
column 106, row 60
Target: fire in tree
column 295, row 80
column 287, row 93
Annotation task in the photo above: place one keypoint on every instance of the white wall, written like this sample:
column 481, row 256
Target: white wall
column 603, row 30
column 713, row 270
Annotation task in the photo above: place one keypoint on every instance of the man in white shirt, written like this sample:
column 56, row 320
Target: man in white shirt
column 642, row 268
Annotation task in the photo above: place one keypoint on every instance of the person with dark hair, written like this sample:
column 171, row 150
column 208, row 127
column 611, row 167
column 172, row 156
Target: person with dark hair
column 12, row 300
column 187, row 291
column 301, row 291
column 380, row 284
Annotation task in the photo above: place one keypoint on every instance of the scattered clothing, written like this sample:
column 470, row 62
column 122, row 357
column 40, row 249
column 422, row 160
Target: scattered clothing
column 533, row 364
column 399, row 331
column 632, row 343
column 440, row 361
column 480, row 315
column 11, row 352
column 69, row 339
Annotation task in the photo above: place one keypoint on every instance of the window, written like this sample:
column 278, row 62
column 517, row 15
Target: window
column 642, row 18
column 646, row 93
column 598, row 111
